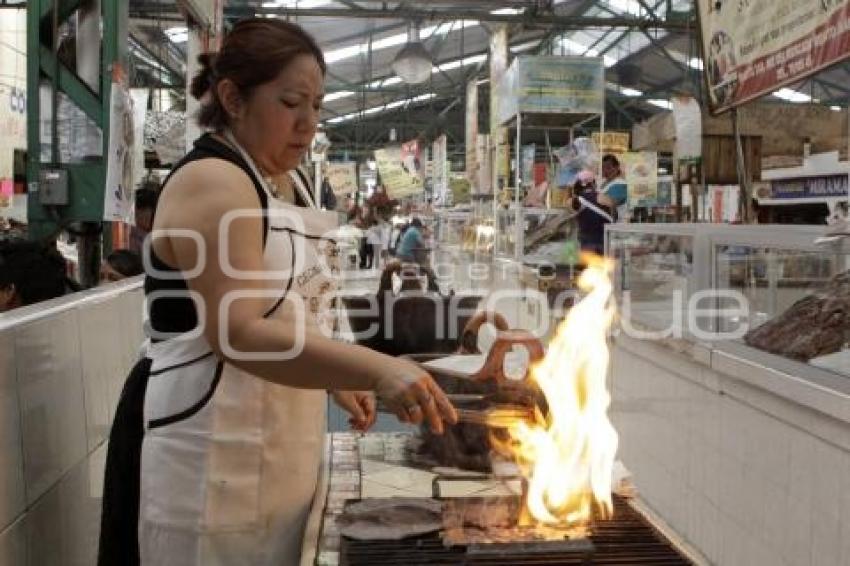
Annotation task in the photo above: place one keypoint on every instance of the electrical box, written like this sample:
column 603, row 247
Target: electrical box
column 53, row 187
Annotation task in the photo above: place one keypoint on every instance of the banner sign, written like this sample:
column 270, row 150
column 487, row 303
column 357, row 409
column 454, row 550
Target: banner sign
column 342, row 177
column 754, row 47
column 118, row 196
column 549, row 84
column 687, row 120
column 641, row 172
column 399, row 169
column 810, row 188
column 611, row 142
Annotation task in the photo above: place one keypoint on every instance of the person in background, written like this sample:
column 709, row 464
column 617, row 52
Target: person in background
column 145, row 206
column 328, row 196
column 614, row 185
column 374, row 243
column 30, row 273
column 839, row 214
column 119, row 265
column 594, row 210
column 412, row 245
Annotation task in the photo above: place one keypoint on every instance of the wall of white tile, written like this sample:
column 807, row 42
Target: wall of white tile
column 61, row 371
column 746, row 477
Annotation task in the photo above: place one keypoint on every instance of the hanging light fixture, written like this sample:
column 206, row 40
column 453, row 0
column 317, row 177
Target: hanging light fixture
column 413, row 63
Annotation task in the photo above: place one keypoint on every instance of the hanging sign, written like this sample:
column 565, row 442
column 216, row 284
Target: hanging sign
column 342, row 177
column 687, row 120
column 611, row 142
column 641, row 172
column 547, row 84
column 754, row 47
column 399, row 171
column 118, row 194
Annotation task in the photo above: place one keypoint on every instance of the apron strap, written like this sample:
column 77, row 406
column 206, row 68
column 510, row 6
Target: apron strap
column 302, row 185
column 586, row 203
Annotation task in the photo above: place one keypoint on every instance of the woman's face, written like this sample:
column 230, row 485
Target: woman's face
column 277, row 122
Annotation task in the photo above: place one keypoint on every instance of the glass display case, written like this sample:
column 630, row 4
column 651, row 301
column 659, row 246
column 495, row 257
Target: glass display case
column 535, row 235
column 778, row 289
column 452, row 227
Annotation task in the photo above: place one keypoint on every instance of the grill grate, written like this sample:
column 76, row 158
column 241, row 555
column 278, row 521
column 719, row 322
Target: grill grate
column 627, row 539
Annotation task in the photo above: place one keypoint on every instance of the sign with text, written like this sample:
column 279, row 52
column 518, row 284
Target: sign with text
column 754, row 47
column 399, row 171
column 342, row 177
column 611, row 142
column 810, row 188
column 548, row 84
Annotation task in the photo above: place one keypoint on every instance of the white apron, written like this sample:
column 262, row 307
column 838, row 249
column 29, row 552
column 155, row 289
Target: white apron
column 229, row 461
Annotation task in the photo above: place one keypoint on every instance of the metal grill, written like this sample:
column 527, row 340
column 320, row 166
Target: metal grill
column 627, row 539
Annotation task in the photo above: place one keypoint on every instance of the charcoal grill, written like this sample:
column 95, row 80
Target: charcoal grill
column 626, row 540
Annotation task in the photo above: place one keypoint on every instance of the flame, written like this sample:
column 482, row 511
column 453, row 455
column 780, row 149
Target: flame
column 567, row 455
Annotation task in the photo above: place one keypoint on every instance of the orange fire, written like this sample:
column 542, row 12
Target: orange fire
column 567, row 455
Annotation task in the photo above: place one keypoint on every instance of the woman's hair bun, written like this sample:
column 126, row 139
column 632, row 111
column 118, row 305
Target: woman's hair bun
column 205, row 77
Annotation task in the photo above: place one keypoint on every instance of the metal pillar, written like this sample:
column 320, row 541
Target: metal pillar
column 88, row 87
column 746, row 206
column 194, row 47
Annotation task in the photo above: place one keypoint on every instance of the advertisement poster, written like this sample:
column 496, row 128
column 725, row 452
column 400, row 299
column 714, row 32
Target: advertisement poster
column 118, row 193
column 399, row 171
column 342, row 177
column 687, row 120
column 754, row 47
column 641, row 172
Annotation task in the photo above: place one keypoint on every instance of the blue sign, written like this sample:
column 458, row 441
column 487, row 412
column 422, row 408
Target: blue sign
column 811, row 188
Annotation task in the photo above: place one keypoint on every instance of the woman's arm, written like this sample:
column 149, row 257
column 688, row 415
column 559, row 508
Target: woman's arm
column 200, row 195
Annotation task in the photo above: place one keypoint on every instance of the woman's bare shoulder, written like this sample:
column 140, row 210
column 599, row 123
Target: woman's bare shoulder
column 205, row 186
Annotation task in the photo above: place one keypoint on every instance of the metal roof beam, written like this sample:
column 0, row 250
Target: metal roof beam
column 420, row 14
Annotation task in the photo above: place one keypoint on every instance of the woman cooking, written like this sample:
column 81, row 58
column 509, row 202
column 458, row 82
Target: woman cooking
column 215, row 446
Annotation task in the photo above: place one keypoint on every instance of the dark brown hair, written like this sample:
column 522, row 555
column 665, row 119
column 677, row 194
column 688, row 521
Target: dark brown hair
column 254, row 52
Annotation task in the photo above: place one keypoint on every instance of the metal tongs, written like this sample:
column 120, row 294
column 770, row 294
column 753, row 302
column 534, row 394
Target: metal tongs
column 495, row 417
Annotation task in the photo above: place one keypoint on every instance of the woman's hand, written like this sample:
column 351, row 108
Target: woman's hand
column 413, row 395
column 360, row 405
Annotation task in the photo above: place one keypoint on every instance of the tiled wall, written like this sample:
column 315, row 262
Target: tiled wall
column 60, row 377
column 745, row 476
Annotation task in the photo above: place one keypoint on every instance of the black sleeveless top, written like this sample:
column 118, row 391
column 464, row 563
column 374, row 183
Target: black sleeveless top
column 176, row 314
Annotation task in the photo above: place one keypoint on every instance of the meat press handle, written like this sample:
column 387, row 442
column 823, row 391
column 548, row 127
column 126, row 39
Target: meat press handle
column 469, row 337
column 494, row 366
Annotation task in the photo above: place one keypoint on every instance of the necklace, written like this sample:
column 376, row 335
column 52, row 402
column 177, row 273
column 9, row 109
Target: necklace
column 273, row 187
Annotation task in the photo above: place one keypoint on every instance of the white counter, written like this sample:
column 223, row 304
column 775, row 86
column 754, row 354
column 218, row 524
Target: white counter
column 745, row 454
